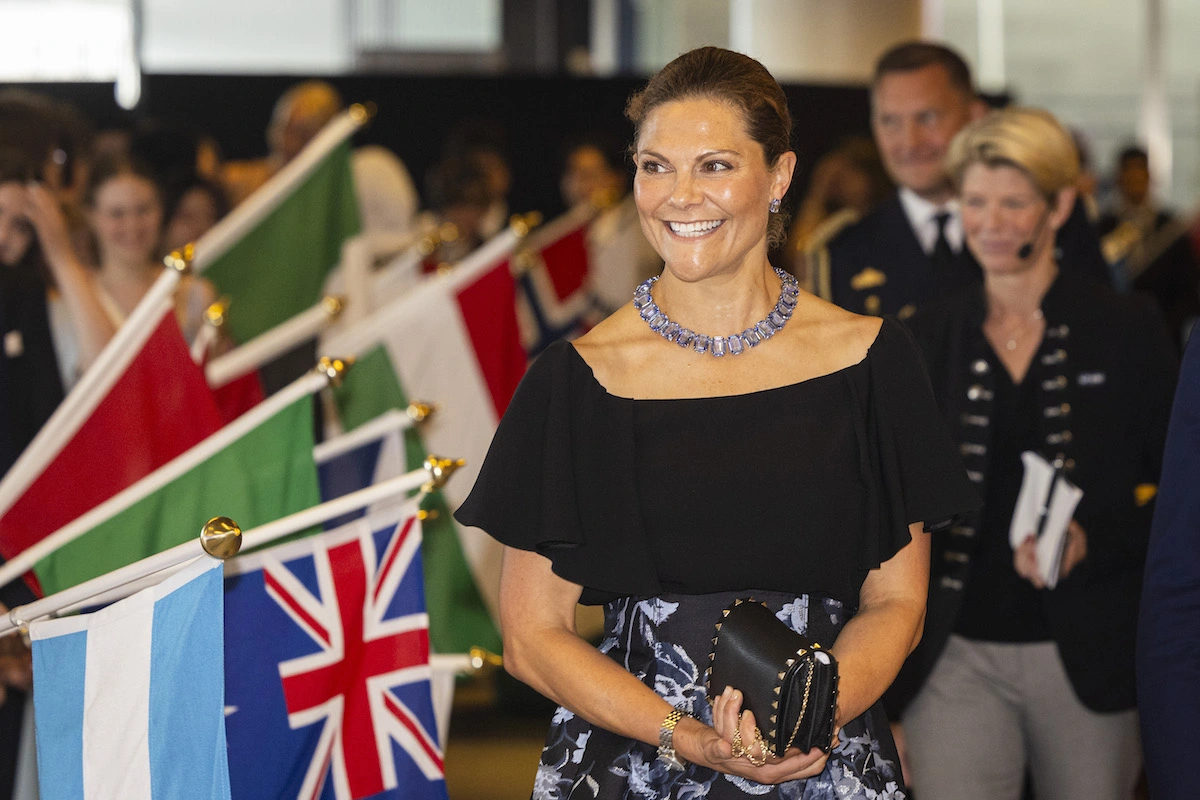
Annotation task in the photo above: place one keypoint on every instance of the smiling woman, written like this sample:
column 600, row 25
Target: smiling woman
column 647, row 495
column 124, row 207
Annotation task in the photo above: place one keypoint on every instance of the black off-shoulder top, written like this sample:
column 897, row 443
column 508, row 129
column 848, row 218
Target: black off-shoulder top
column 803, row 488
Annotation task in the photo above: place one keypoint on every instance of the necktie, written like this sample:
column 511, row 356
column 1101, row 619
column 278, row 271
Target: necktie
column 942, row 255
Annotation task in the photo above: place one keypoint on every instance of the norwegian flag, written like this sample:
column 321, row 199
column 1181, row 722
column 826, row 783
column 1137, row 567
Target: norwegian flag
column 327, row 667
column 554, row 298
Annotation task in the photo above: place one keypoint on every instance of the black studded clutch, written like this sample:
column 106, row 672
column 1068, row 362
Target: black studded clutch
column 786, row 679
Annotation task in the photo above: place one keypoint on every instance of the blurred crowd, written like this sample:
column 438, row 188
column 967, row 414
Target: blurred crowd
column 86, row 217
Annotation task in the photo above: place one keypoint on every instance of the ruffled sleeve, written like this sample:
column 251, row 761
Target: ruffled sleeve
column 558, row 480
column 916, row 474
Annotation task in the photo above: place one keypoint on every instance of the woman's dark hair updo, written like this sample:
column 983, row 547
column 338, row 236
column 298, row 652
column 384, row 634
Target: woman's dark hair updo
column 714, row 73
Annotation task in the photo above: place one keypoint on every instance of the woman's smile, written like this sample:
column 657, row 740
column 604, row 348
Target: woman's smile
column 693, row 230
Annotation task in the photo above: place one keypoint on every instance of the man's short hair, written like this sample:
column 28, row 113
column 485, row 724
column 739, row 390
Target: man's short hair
column 912, row 56
column 1130, row 153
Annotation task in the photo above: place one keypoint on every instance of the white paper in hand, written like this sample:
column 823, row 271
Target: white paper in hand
column 1045, row 507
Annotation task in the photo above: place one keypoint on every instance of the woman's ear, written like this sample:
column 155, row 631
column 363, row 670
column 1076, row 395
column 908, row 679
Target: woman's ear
column 1064, row 204
column 784, row 167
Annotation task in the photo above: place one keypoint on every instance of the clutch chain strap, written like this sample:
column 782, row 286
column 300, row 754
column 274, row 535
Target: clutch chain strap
column 803, row 707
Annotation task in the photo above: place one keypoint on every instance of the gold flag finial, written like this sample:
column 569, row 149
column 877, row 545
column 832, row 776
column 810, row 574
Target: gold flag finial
column 522, row 224
column 447, row 232
column 334, row 305
column 216, row 314
column 362, row 113
column 419, row 412
column 221, row 537
column 481, row 656
column 334, row 368
column 440, row 470
column 181, row 259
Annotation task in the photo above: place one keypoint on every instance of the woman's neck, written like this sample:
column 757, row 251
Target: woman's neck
column 720, row 304
column 126, row 281
column 1019, row 293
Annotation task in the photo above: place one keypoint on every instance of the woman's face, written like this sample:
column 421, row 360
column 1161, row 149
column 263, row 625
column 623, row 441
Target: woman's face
column 127, row 218
column 1002, row 211
column 196, row 213
column 703, row 189
column 16, row 233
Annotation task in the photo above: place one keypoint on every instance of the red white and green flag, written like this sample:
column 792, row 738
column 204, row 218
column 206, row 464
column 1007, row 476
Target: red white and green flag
column 255, row 470
column 452, row 341
column 273, row 252
column 141, row 404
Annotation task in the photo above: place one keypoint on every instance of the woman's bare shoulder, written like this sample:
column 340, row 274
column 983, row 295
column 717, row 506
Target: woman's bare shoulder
column 846, row 336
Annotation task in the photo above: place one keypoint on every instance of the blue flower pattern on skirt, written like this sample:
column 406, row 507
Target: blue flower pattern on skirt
column 665, row 642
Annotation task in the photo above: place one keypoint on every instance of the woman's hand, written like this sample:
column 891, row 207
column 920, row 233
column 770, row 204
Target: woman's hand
column 1075, row 550
column 51, row 226
column 715, row 746
column 16, row 663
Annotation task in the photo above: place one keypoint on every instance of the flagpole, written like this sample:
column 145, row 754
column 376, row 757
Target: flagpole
column 95, row 384
column 108, row 587
column 219, row 529
column 255, row 208
column 280, row 339
column 303, row 386
column 390, row 420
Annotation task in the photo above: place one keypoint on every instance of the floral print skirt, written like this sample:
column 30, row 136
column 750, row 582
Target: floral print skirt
column 665, row 641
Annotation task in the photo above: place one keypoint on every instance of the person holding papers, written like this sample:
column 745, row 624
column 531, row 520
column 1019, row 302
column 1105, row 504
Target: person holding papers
column 1057, row 391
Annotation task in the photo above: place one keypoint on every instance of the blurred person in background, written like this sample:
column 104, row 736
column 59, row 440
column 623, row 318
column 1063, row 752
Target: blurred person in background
column 482, row 143
column 387, row 198
column 847, row 183
column 909, row 250
column 192, row 205
column 460, row 198
column 1010, row 673
column 619, row 257
column 124, row 208
column 54, row 322
column 1148, row 247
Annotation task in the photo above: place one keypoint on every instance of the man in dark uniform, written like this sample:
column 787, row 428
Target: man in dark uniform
column 910, row 249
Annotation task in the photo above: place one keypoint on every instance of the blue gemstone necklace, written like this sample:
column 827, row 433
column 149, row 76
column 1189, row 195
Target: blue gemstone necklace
column 718, row 346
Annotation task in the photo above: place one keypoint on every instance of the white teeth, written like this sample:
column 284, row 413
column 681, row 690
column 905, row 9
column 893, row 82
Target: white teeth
column 693, row 229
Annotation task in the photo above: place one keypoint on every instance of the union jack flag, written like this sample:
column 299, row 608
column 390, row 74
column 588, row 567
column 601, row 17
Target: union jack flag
column 327, row 667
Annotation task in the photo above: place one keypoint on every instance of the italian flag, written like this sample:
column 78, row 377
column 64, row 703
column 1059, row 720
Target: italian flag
column 452, row 341
column 140, row 405
column 255, row 470
column 273, row 252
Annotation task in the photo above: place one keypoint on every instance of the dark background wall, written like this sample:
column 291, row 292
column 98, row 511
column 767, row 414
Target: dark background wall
column 415, row 114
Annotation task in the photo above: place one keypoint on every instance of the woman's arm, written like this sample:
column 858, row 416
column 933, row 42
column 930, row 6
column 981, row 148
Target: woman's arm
column 78, row 289
column 541, row 648
column 873, row 645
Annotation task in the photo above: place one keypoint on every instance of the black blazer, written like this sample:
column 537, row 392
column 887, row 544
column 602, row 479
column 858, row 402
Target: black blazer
column 876, row 266
column 1105, row 375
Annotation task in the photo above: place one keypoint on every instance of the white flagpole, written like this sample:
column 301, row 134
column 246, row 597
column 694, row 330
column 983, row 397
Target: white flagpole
column 230, row 230
column 266, row 346
column 26, row 559
column 134, row 576
column 390, row 420
column 92, row 388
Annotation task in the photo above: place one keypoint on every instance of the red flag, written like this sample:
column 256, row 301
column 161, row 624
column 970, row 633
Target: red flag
column 239, row 396
column 159, row 407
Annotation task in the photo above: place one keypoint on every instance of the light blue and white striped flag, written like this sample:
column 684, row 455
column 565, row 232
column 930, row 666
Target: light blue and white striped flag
column 129, row 700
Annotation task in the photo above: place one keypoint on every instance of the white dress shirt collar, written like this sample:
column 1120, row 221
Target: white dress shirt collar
column 922, row 218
